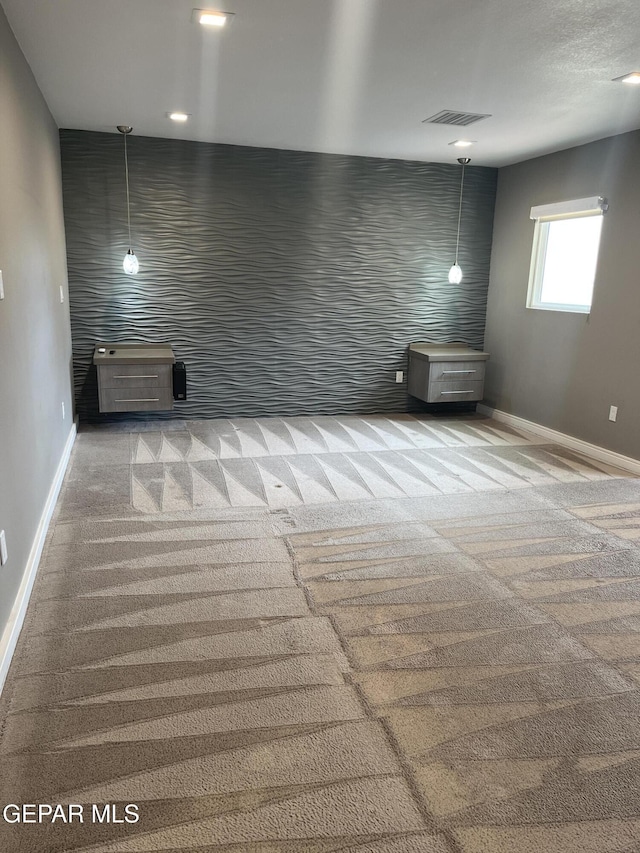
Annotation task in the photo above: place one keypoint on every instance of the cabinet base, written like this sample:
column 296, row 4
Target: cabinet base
column 459, row 407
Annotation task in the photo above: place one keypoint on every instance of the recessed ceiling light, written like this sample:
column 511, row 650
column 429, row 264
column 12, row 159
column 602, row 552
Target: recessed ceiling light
column 178, row 116
column 211, row 17
column 463, row 143
column 632, row 78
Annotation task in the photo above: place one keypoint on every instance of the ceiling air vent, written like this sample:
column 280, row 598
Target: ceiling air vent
column 455, row 117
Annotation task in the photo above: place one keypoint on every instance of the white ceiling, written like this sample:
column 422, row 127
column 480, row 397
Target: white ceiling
column 345, row 76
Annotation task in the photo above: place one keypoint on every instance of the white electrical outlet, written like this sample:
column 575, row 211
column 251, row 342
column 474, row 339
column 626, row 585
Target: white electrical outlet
column 61, row 293
column 3, row 548
column 399, row 375
column 63, row 410
column 1, row 286
column 613, row 413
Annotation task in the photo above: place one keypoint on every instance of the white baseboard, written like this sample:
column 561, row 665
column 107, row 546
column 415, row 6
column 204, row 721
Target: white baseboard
column 11, row 633
column 609, row 457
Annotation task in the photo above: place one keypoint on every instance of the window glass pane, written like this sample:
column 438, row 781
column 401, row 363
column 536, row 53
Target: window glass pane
column 570, row 261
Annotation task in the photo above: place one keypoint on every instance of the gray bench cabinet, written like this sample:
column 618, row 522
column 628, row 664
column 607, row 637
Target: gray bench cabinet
column 134, row 377
column 446, row 373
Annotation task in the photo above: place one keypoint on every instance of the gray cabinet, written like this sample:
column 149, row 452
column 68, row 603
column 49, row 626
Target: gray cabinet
column 134, row 377
column 446, row 373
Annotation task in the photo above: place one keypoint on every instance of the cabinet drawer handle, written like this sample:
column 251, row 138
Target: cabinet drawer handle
column 470, row 391
column 137, row 376
column 447, row 372
column 140, row 400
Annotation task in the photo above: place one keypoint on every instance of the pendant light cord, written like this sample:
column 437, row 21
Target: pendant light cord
column 460, row 211
column 126, row 172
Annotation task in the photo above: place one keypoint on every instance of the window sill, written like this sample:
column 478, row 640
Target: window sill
column 565, row 309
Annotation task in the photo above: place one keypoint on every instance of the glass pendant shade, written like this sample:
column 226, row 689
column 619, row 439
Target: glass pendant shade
column 130, row 264
column 455, row 274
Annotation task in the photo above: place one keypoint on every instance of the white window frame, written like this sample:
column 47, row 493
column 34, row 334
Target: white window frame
column 544, row 214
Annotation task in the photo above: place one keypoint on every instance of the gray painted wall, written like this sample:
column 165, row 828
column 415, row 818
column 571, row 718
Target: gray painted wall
column 289, row 282
column 35, row 343
column 559, row 369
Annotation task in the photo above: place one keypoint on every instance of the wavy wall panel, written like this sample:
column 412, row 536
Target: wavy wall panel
column 289, row 282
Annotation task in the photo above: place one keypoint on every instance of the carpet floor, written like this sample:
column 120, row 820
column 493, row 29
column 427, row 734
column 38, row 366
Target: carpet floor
column 369, row 635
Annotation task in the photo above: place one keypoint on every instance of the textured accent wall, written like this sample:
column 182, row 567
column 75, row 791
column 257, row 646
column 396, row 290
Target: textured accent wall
column 289, row 282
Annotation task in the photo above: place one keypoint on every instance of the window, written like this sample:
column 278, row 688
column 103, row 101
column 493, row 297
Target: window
column 565, row 254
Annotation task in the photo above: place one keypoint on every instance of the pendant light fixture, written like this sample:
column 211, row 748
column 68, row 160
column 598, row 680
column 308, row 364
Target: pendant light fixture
column 455, row 273
column 130, row 263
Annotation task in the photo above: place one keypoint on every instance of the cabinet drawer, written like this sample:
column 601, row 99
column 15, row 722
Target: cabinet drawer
column 449, row 392
column 135, row 399
column 453, row 371
column 135, row 375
